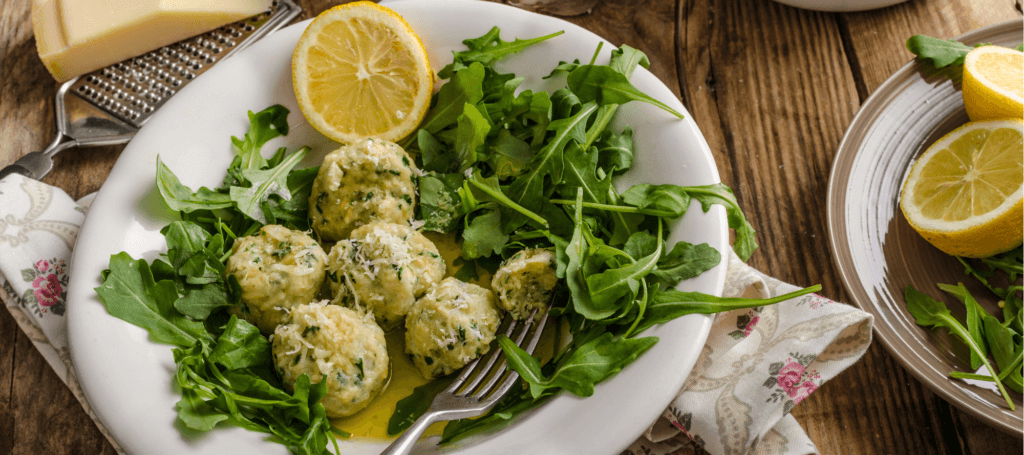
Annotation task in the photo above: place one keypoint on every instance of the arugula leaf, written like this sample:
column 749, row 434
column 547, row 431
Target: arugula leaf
column 626, row 58
column 483, row 236
column 466, row 270
column 196, row 413
column 974, row 325
column 500, row 417
column 591, row 363
column 241, row 346
column 615, row 151
column 685, row 261
column 434, row 154
column 580, row 171
column 410, row 408
column 489, row 48
column 490, row 190
column 671, row 304
column 672, row 201
column 609, row 286
column 939, row 57
column 440, row 204
column 184, row 239
column 1006, row 351
column 181, row 199
column 932, row 313
column 940, row 53
column 563, row 67
column 510, row 155
column 199, row 303
column 130, row 293
column 465, row 87
column 528, row 189
column 580, row 266
column 264, row 126
column 470, row 135
column 605, row 86
column 266, row 182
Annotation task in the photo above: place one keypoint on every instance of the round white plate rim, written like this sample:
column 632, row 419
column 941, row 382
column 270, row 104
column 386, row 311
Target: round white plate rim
column 840, row 6
column 873, row 108
column 87, row 313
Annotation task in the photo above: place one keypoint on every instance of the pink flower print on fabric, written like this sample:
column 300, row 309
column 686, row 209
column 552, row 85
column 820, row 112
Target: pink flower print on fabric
column 802, row 391
column 750, row 325
column 745, row 323
column 47, row 289
column 815, row 301
column 42, row 266
column 789, row 377
column 791, row 381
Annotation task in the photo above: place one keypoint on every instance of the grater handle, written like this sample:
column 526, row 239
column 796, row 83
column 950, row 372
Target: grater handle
column 36, row 165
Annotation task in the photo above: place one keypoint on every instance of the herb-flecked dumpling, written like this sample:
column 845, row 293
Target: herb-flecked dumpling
column 366, row 181
column 452, row 324
column 382, row 269
column 526, row 281
column 336, row 344
column 277, row 268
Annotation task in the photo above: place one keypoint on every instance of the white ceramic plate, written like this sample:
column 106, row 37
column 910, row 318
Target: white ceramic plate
column 840, row 6
column 127, row 378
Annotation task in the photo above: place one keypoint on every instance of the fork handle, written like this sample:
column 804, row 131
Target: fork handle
column 35, row 165
column 403, row 445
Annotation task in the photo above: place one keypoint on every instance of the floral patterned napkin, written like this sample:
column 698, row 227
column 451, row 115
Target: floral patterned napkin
column 756, row 366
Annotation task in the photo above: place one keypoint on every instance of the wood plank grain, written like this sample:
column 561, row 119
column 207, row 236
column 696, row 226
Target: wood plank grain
column 47, row 417
column 8, row 337
column 772, row 90
column 876, row 38
column 648, row 25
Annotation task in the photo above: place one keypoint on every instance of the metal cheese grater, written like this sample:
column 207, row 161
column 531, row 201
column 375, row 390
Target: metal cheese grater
column 108, row 106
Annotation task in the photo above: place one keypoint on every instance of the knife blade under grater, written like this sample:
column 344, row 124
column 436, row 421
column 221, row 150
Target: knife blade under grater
column 109, row 105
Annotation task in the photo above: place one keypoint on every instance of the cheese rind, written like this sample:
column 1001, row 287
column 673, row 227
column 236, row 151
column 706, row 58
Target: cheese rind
column 74, row 37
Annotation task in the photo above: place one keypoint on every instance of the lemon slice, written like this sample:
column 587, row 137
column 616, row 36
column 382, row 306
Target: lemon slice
column 360, row 71
column 963, row 194
column 993, row 85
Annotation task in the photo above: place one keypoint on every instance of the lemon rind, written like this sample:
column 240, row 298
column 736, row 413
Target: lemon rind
column 913, row 213
column 411, row 42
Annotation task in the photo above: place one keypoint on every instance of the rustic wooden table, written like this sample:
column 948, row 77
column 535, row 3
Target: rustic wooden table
column 773, row 89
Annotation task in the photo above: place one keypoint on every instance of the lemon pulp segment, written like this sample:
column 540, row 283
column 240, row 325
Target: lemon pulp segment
column 993, row 83
column 359, row 71
column 964, row 193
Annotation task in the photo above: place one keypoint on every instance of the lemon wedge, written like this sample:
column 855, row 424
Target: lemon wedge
column 963, row 195
column 993, row 85
column 360, row 71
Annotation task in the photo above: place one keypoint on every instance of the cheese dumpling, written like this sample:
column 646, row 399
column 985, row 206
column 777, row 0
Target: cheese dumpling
column 277, row 268
column 370, row 180
column 382, row 269
column 452, row 324
column 339, row 345
column 526, row 281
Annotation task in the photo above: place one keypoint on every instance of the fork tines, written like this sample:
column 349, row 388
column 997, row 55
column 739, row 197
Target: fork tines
column 517, row 331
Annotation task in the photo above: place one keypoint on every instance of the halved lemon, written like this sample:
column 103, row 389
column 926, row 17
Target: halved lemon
column 993, row 85
column 963, row 194
column 360, row 71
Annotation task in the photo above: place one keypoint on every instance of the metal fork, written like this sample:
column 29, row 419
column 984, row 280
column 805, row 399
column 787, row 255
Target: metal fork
column 469, row 395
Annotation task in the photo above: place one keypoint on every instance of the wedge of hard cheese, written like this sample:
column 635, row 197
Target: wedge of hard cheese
column 75, row 37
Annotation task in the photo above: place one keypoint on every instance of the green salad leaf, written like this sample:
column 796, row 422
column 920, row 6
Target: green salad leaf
column 932, row 313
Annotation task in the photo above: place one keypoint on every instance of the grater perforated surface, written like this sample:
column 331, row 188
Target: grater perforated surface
column 134, row 89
